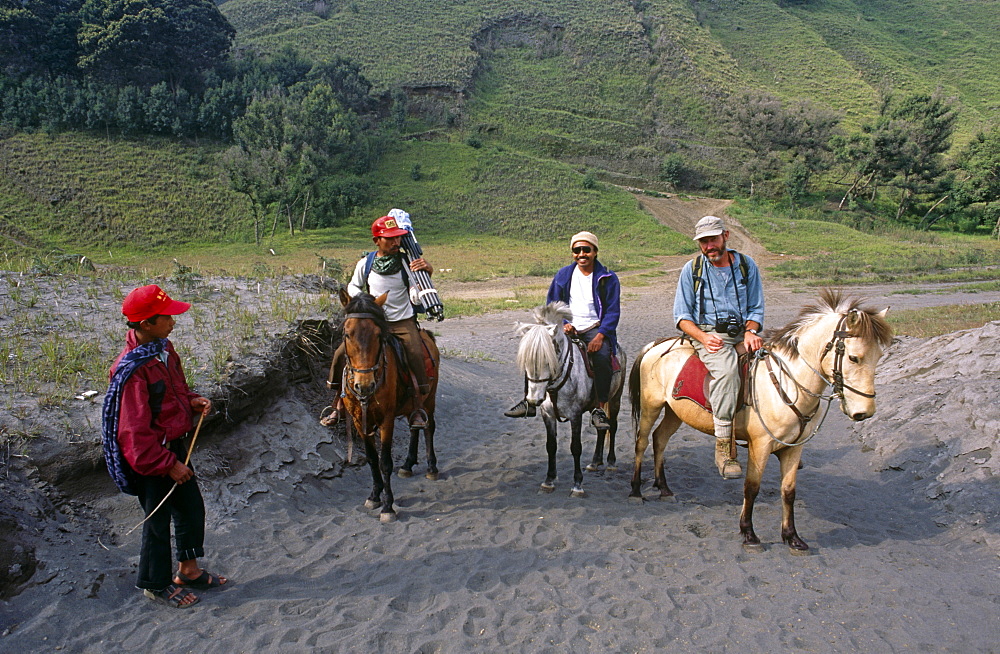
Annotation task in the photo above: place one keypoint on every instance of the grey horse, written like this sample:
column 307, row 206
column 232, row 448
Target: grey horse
column 559, row 383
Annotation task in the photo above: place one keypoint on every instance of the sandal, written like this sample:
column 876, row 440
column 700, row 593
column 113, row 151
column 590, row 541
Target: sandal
column 174, row 596
column 204, row 581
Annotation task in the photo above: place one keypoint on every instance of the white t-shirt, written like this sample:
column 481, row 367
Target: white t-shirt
column 397, row 306
column 581, row 300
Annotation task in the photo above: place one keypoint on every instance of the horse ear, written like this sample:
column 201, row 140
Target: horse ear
column 853, row 318
column 521, row 327
column 552, row 329
column 881, row 314
column 380, row 300
column 344, row 296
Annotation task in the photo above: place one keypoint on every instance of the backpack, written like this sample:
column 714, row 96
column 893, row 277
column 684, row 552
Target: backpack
column 696, row 268
column 370, row 261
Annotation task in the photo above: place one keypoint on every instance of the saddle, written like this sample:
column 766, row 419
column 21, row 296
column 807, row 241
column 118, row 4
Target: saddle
column 409, row 379
column 615, row 363
column 692, row 381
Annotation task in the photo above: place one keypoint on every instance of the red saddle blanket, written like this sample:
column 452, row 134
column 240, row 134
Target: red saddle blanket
column 692, row 382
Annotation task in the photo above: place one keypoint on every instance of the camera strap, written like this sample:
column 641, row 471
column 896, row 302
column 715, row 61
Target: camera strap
column 711, row 291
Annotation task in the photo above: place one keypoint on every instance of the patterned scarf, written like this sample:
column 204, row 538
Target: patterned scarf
column 119, row 469
column 390, row 264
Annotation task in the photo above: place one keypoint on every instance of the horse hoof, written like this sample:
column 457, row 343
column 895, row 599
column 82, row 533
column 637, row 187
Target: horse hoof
column 547, row 488
column 636, row 499
column 372, row 504
column 753, row 548
column 433, row 476
column 593, row 467
column 611, row 467
column 386, row 518
column 799, row 552
column 578, row 492
column 404, row 473
column 667, row 498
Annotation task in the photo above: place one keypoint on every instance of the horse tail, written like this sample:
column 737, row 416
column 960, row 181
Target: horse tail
column 635, row 388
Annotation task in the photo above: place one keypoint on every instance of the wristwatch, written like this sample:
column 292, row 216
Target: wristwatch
column 753, row 331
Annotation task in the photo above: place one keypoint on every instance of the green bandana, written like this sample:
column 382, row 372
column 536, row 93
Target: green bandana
column 387, row 265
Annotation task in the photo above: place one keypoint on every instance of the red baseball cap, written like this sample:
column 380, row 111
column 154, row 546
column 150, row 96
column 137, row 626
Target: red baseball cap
column 148, row 301
column 387, row 227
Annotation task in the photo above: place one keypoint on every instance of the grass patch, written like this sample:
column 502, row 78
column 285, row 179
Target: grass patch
column 936, row 321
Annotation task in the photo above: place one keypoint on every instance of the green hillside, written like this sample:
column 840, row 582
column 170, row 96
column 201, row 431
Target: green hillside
column 86, row 192
column 522, row 115
column 597, row 81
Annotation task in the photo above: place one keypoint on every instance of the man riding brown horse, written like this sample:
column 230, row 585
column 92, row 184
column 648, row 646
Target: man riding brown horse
column 385, row 271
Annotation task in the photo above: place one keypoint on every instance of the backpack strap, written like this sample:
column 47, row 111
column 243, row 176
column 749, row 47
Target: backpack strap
column 370, row 261
column 696, row 270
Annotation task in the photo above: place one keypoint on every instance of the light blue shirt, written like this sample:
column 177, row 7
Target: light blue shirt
column 720, row 293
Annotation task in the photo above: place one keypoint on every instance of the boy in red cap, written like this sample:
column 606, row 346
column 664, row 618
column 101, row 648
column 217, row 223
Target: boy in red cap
column 147, row 411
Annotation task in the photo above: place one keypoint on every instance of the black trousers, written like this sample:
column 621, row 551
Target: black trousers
column 186, row 509
column 600, row 361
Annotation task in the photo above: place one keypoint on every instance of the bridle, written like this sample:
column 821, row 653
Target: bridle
column 565, row 365
column 838, row 346
column 379, row 369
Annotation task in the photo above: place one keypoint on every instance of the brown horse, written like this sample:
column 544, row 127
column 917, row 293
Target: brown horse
column 835, row 343
column 375, row 393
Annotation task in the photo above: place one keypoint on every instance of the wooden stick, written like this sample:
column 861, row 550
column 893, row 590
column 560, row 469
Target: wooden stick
column 172, row 488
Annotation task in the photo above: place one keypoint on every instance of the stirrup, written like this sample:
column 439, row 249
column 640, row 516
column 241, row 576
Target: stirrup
column 599, row 419
column 521, row 410
column 418, row 419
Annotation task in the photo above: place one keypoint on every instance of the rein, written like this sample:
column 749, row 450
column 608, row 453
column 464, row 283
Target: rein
column 379, row 369
column 803, row 419
column 835, row 344
column 566, row 368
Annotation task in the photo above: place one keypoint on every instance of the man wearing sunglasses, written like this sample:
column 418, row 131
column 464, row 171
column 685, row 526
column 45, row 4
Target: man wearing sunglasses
column 593, row 294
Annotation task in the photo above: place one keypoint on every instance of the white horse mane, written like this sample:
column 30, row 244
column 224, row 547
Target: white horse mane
column 553, row 313
column 536, row 354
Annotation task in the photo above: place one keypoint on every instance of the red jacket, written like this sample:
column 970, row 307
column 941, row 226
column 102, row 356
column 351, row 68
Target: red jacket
column 155, row 409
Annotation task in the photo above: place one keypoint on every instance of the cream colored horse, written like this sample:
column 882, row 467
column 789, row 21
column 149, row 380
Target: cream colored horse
column 835, row 343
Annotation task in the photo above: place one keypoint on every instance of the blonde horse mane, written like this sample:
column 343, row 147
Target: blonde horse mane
column 536, row 355
column 871, row 326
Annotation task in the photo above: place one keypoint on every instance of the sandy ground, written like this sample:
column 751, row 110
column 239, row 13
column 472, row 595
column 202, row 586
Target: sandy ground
column 481, row 560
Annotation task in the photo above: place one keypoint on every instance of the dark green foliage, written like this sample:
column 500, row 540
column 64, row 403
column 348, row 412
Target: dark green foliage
column 673, row 169
column 38, row 37
column 287, row 144
column 145, row 42
column 773, row 134
column 977, row 189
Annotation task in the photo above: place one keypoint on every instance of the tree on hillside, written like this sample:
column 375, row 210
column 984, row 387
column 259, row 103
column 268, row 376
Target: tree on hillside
column 287, row 144
column 779, row 139
column 38, row 37
column 979, row 178
column 145, row 42
column 903, row 148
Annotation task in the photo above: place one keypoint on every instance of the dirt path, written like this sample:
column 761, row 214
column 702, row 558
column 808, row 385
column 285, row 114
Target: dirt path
column 482, row 561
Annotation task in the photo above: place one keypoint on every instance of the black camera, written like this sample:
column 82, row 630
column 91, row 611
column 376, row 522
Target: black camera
column 731, row 326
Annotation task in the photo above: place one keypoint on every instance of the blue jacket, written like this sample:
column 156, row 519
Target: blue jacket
column 607, row 297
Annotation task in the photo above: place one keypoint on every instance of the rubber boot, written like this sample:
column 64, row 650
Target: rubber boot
column 728, row 466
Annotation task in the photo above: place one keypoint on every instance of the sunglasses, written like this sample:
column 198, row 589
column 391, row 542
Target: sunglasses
column 585, row 249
